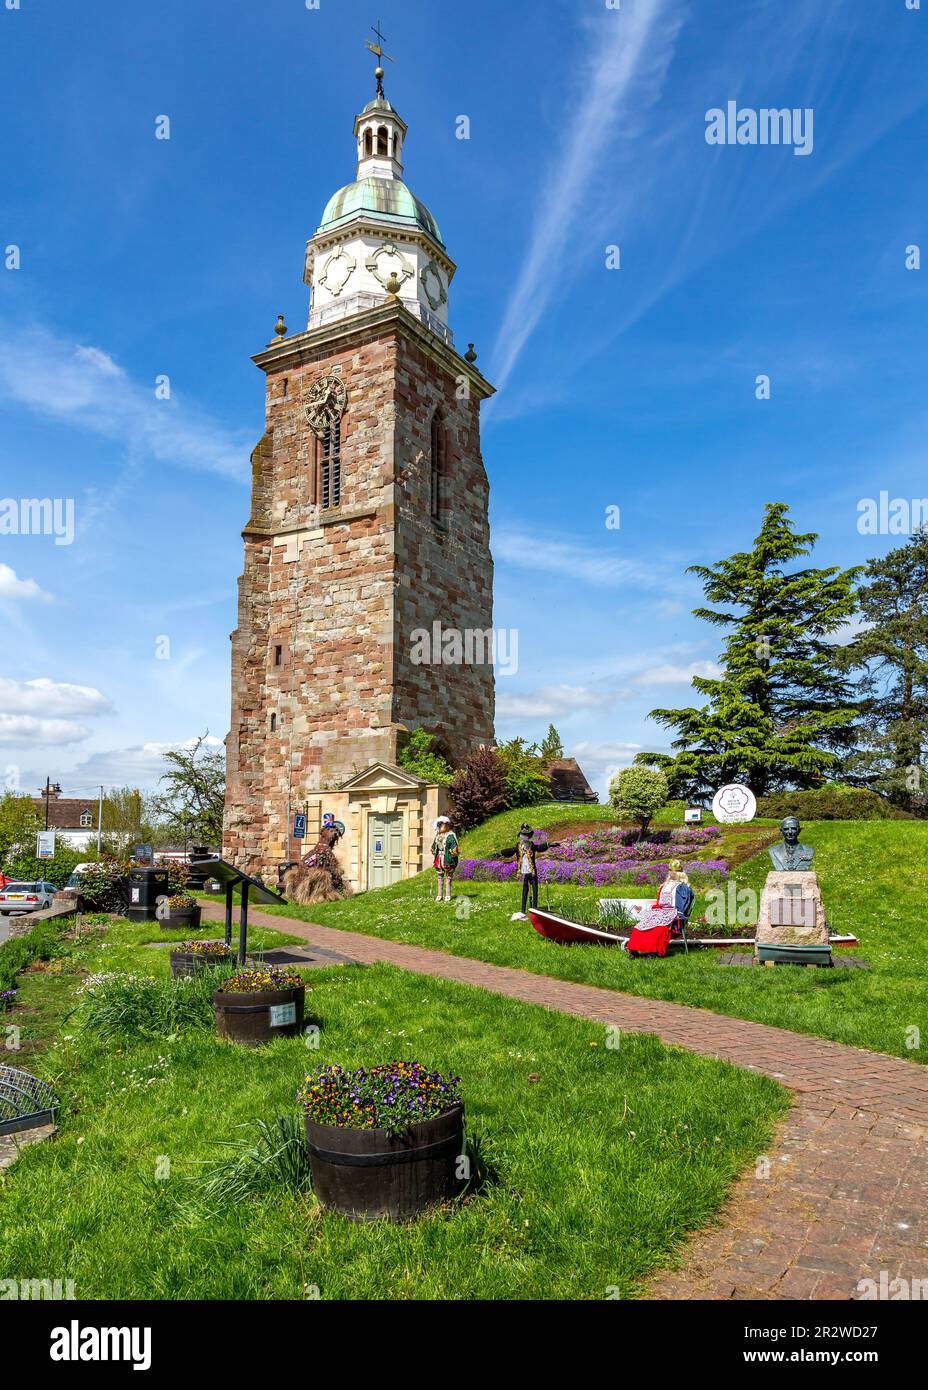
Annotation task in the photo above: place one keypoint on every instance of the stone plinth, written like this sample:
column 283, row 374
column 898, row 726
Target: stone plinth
column 792, row 913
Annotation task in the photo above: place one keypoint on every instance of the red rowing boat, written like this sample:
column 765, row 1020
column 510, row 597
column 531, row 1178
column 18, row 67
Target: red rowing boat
column 558, row 929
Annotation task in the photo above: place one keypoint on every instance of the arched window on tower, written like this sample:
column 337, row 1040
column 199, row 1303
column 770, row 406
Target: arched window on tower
column 329, row 487
column 439, row 472
column 368, row 143
column 382, row 140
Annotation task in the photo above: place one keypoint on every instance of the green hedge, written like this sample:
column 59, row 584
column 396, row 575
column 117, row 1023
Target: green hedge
column 830, row 803
column 43, row 942
column 57, row 870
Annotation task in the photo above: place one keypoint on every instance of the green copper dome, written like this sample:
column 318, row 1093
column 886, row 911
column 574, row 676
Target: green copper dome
column 389, row 199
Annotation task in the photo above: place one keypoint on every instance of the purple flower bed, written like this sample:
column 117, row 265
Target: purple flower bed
column 589, row 872
column 623, row 845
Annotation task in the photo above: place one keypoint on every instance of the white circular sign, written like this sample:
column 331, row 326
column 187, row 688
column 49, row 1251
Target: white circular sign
column 734, row 802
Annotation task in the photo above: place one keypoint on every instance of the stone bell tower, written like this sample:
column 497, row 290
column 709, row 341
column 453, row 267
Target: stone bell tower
column 368, row 521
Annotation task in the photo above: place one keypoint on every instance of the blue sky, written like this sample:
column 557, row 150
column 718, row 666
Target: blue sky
column 630, row 387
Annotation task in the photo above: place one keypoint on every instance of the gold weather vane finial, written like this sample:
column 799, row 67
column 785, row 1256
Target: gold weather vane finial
column 377, row 49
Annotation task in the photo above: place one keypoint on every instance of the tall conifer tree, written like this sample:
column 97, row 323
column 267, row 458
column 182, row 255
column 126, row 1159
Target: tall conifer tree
column 892, row 655
column 780, row 714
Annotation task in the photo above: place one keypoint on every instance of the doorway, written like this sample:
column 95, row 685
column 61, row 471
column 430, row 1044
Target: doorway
column 384, row 849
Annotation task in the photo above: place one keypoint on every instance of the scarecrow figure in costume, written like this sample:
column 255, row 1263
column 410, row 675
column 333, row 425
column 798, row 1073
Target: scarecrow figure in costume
column 526, row 852
column 665, row 918
column 319, row 877
column 446, row 853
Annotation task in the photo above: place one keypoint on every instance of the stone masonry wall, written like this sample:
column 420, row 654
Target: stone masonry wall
column 444, row 568
column 327, row 598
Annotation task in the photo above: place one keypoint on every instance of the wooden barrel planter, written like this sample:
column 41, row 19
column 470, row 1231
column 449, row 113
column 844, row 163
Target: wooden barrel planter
column 372, row 1175
column 181, row 919
column 259, row 1016
column 185, row 964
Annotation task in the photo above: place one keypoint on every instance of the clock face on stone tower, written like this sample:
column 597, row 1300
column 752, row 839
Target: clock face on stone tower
column 326, row 403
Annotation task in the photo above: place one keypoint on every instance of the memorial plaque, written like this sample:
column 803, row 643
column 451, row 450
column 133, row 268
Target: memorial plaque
column 792, row 917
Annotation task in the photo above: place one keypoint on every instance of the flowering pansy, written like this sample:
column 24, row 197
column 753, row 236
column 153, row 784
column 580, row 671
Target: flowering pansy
column 262, row 979
column 392, row 1096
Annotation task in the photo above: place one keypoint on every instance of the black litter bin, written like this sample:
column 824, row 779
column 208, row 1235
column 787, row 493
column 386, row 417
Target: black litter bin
column 144, row 886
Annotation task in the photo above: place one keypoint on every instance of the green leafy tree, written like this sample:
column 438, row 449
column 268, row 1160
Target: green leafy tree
column 193, row 799
column 125, row 822
column 24, row 865
column 419, row 756
column 551, row 745
column 637, row 794
column 891, row 654
column 781, row 713
column 527, row 783
column 19, row 821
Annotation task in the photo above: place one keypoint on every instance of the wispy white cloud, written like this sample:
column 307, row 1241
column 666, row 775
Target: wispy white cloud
column 627, row 59
column 46, row 697
column 84, row 387
column 671, row 674
column 12, row 587
column 571, row 556
column 552, row 702
column 23, row 730
column 601, row 761
column 139, row 765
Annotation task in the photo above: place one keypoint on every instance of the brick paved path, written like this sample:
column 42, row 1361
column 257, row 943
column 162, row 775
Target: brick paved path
column 847, row 1193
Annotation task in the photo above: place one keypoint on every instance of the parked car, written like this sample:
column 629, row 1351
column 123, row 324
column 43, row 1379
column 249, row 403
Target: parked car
column 75, row 879
column 26, row 897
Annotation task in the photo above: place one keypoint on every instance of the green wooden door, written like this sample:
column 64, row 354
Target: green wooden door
column 384, row 849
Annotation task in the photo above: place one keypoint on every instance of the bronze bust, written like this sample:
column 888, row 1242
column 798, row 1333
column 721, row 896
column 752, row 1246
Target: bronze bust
column 790, row 855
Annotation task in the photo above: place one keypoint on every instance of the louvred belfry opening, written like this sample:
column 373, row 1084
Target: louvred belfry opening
column 330, row 468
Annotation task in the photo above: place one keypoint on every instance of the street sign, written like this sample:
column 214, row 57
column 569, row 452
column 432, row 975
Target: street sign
column 143, row 854
column 299, row 827
column 45, row 844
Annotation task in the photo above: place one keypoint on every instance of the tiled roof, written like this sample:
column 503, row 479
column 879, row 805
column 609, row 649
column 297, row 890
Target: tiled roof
column 64, row 813
column 568, row 782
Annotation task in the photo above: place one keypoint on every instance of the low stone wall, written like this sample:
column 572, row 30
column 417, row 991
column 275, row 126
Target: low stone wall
column 19, row 926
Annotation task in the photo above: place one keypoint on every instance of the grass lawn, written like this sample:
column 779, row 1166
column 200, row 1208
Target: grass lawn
column 605, row 1157
column 874, row 878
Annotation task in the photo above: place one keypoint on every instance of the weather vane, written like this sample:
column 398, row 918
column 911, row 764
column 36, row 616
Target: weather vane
column 377, row 48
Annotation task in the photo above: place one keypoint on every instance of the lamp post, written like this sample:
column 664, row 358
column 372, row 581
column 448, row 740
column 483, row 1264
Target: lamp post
column 49, row 788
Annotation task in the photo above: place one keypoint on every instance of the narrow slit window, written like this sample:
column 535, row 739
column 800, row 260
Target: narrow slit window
column 278, row 656
column 330, row 468
column 273, row 723
column 438, row 478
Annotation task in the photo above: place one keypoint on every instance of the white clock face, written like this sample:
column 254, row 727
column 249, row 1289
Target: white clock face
column 386, row 262
column 433, row 285
column 338, row 271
